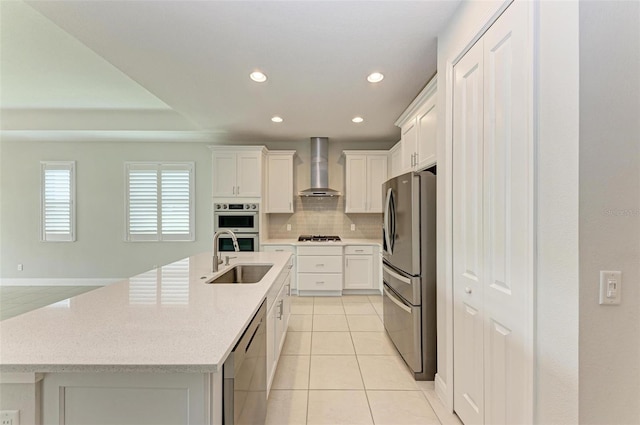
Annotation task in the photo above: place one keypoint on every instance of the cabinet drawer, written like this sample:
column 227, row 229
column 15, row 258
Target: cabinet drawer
column 358, row 250
column 279, row 248
column 319, row 282
column 320, row 264
column 320, row 250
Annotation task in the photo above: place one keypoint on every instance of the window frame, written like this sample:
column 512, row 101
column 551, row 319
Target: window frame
column 159, row 167
column 58, row 237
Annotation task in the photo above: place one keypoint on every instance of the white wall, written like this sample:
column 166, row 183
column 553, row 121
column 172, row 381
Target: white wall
column 610, row 210
column 100, row 250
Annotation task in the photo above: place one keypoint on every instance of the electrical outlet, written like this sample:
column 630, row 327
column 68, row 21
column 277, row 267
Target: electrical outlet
column 10, row 417
column 288, row 227
column 20, row 267
column 353, row 227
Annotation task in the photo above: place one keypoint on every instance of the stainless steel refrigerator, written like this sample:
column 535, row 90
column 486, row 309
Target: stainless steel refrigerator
column 409, row 269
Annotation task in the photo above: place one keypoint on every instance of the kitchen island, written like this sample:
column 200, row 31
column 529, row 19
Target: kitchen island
column 148, row 349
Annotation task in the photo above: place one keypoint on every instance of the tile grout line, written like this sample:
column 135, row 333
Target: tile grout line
column 366, row 395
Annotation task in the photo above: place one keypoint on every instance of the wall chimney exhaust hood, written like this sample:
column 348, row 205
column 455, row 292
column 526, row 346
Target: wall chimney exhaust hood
column 319, row 170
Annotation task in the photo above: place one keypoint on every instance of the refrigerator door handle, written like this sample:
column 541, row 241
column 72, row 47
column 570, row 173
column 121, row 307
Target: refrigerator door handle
column 386, row 221
column 396, row 275
column 396, row 301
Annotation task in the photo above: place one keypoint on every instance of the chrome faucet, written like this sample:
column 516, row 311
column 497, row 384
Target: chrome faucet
column 216, row 260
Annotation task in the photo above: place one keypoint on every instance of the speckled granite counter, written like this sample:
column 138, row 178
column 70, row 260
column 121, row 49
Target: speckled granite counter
column 164, row 320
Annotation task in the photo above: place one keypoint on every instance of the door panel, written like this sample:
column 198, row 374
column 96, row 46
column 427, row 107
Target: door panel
column 507, row 216
column 376, row 176
column 406, row 238
column 249, row 175
column 468, row 271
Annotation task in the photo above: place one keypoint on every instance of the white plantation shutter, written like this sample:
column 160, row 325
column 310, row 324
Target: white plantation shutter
column 159, row 201
column 176, row 201
column 57, row 201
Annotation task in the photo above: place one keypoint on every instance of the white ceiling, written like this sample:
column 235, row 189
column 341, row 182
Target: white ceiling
column 139, row 67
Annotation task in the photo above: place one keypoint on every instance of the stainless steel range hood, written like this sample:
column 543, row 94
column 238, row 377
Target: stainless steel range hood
column 319, row 170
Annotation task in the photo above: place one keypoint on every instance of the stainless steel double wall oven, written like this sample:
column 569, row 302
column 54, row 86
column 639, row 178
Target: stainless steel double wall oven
column 243, row 220
column 409, row 269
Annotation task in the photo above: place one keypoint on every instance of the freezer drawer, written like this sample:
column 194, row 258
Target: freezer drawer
column 408, row 287
column 404, row 326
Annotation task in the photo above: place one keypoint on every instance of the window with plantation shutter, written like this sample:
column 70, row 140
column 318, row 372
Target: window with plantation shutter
column 159, row 201
column 57, row 203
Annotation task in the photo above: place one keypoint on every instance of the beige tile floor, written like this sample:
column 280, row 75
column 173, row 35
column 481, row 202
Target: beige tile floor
column 15, row 300
column 339, row 367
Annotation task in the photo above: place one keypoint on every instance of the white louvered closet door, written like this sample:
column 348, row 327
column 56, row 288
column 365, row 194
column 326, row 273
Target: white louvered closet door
column 492, row 312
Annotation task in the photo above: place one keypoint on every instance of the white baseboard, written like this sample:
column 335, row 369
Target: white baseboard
column 74, row 281
column 441, row 392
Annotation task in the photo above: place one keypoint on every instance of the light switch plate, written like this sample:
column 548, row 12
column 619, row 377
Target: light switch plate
column 610, row 287
column 10, row 417
column 353, row 227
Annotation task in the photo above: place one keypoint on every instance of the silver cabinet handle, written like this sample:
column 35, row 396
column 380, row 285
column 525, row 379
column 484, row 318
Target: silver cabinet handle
column 359, row 250
column 320, row 282
column 279, row 250
column 281, row 307
column 238, row 191
column 467, row 290
column 289, row 205
column 233, row 190
column 319, row 265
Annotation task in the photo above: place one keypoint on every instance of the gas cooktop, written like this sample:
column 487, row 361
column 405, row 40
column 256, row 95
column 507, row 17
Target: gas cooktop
column 318, row 238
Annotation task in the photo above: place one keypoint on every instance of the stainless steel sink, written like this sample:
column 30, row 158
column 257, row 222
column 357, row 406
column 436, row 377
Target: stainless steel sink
column 243, row 273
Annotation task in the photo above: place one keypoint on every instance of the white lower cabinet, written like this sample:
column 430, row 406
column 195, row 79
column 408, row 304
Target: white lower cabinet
column 319, row 270
column 277, row 323
column 360, row 269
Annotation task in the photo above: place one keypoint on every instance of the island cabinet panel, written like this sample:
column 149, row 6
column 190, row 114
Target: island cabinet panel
column 131, row 398
column 277, row 323
column 292, row 261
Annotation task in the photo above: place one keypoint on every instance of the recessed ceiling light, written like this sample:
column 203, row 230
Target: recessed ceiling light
column 258, row 77
column 357, row 120
column 276, row 119
column 375, row 77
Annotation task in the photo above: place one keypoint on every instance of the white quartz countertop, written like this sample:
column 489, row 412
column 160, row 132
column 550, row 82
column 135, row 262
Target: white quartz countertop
column 344, row 241
column 164, row 320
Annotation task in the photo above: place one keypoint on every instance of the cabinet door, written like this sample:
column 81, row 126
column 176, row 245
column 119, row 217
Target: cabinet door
column 271, row 345
column 280, row 184
column 356, row 184
column 427, row 123
column 395, row 160
column 376, row 176
column 468, row 252
column 409, row 145
column 249, row 174
column 492, row 229
column 224, row 174
column 358, row 272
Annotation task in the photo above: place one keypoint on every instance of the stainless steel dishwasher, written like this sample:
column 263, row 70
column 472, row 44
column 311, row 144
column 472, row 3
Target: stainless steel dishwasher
column 244, row 372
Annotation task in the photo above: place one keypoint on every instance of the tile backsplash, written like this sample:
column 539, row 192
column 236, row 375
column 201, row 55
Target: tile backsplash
column 324, row 216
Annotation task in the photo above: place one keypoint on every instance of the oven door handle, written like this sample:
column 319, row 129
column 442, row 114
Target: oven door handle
column 396, row 301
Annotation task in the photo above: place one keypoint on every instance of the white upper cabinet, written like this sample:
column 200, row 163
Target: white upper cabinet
column 237, row 171
column 280, row 182
column 365, row 173
column 395, row 160
column 418, row 129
